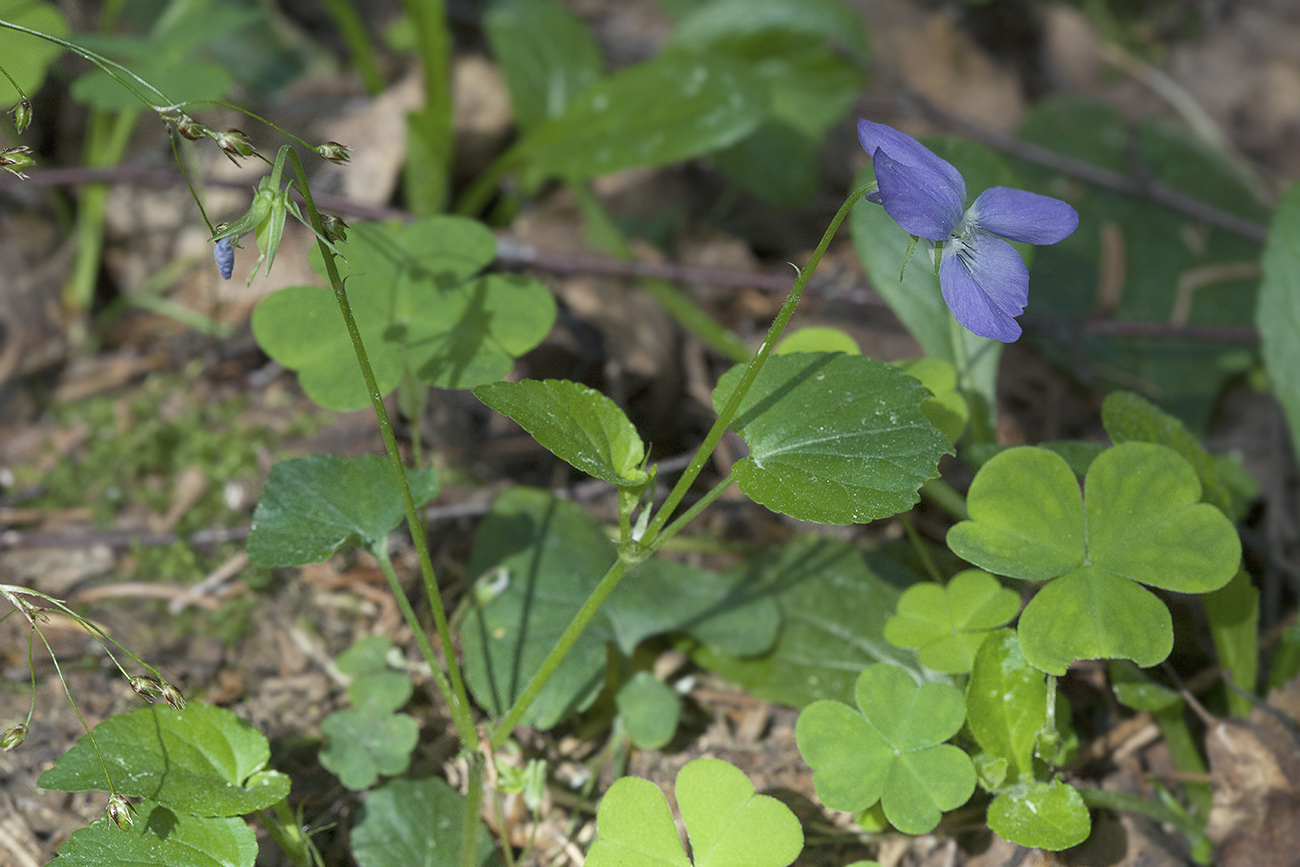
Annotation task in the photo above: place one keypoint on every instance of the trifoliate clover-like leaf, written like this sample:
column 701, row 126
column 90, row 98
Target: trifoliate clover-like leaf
column 367, row 742
column 947, row 624
column 1139, row 521
column 892, row 749
column 727, row 822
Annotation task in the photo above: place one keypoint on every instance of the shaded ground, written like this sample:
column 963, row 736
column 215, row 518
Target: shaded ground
column 261, row 643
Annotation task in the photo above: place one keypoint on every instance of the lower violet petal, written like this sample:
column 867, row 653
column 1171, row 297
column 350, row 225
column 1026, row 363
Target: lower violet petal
column 986, row 286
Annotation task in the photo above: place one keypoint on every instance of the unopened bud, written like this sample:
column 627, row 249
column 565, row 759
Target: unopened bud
column 190, row 128
column 15, row 159
column 334, row 152
column 22, row 113
column 224, row 252
column 333, row 227
column 173, row 696
column 234, row 143
column 119, row 810
column 147, row 687
column 13, row 737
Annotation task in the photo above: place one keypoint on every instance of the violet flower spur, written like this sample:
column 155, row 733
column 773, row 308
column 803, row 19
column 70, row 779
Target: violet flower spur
column 985, row 282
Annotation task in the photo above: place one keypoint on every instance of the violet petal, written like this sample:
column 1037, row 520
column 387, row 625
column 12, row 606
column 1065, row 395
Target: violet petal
column 224, row 253
column 1023, row 216
column 920, row 200
column 986, row 286
column 908, row 151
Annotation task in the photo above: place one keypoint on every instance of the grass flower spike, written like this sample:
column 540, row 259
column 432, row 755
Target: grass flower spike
column 985, row 282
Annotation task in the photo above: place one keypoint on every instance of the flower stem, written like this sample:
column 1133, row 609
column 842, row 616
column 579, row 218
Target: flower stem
column 751, row 372
column 458, row 700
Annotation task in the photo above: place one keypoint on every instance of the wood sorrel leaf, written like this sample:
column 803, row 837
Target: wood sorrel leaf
column 1144, row 525
column 728, row 824
column 162, row 838
column 649, row 709
column 1026, row 516
column 891, row 750
column 546, row 55
column 948, row 624
column 575, row 423
column 1048, row 816
column 202, row 760
column 539, row 558
column 366, row 742
column 417, row 306
column 672, row 108
column 946, row 408
column 314, row 505
column 833, row 438
column 835, row 598
column 415, row 821
column 1006, row 703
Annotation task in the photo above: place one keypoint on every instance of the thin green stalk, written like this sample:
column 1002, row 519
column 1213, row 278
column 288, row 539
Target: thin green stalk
column 1144, row 807
column 728, row 413
column 690, row 514
column 429, row 130
column 943, row 495
column 617, row 570
column 473, row 807
column 353, row 31
column 460, row 707
column 283, row 828
column 918, row 545
column 413, row 623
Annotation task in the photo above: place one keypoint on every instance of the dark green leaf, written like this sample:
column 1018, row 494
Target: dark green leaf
column 27, row 58
column 1006, row 703
column 1278, row 315
column 576, row 423
column 1233, row 613
column 314, row 505
column 202, row 760
column 833, row 438
column 161, row 838
column 415, row 822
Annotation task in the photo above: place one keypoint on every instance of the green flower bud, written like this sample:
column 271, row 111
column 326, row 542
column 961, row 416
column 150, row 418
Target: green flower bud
column 119, row 810
column 147, row 687
column 234, row 143
column 13, row 737
column 15, row 159
column 334, row 227
column 190, row 128
column 334, row 152
column 22, row 113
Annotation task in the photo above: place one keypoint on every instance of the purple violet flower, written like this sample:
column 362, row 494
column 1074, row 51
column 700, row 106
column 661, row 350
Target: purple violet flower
column 225, row 256
column 985, row 282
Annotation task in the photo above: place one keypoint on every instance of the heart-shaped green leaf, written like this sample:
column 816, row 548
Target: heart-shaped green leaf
column 833, row 438
column 1048, row 816
column 162, row 838
column 1144, row 525
column 576, row 423
column 835, row 598
column 202, row 760
column 650, row 710
column 415, row 821
column 892, row 750
column 367, row 742
column 1006, row 703
column 416, row 308
column 727, row 822
column 1093, row 614
column 314, row 505
column 673, row 108
column 1026, row 516
column 539, row 559
column 948, row 624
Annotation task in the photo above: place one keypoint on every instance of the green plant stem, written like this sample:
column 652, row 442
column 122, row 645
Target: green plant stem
column 918, row 545
column 283, row 828
column 1144, row 807
column 458, row 700
column 429, row 130
column 353, row 31
column 946, row 498
column 616, row 571
column 412, row 621
column 728, row 413
column 1186, row 756
column 473, row 807
column 690, row 514
column 476, row 195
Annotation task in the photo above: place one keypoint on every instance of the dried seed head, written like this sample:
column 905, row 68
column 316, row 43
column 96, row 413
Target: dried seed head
column 146, row 687
column 119, row 810
column 334, row 152
column 15, row 159
column 13, row 737
column 234, row 143
column 22, row 113
column 173, row 696
column 334, row 227
column 190, row 128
